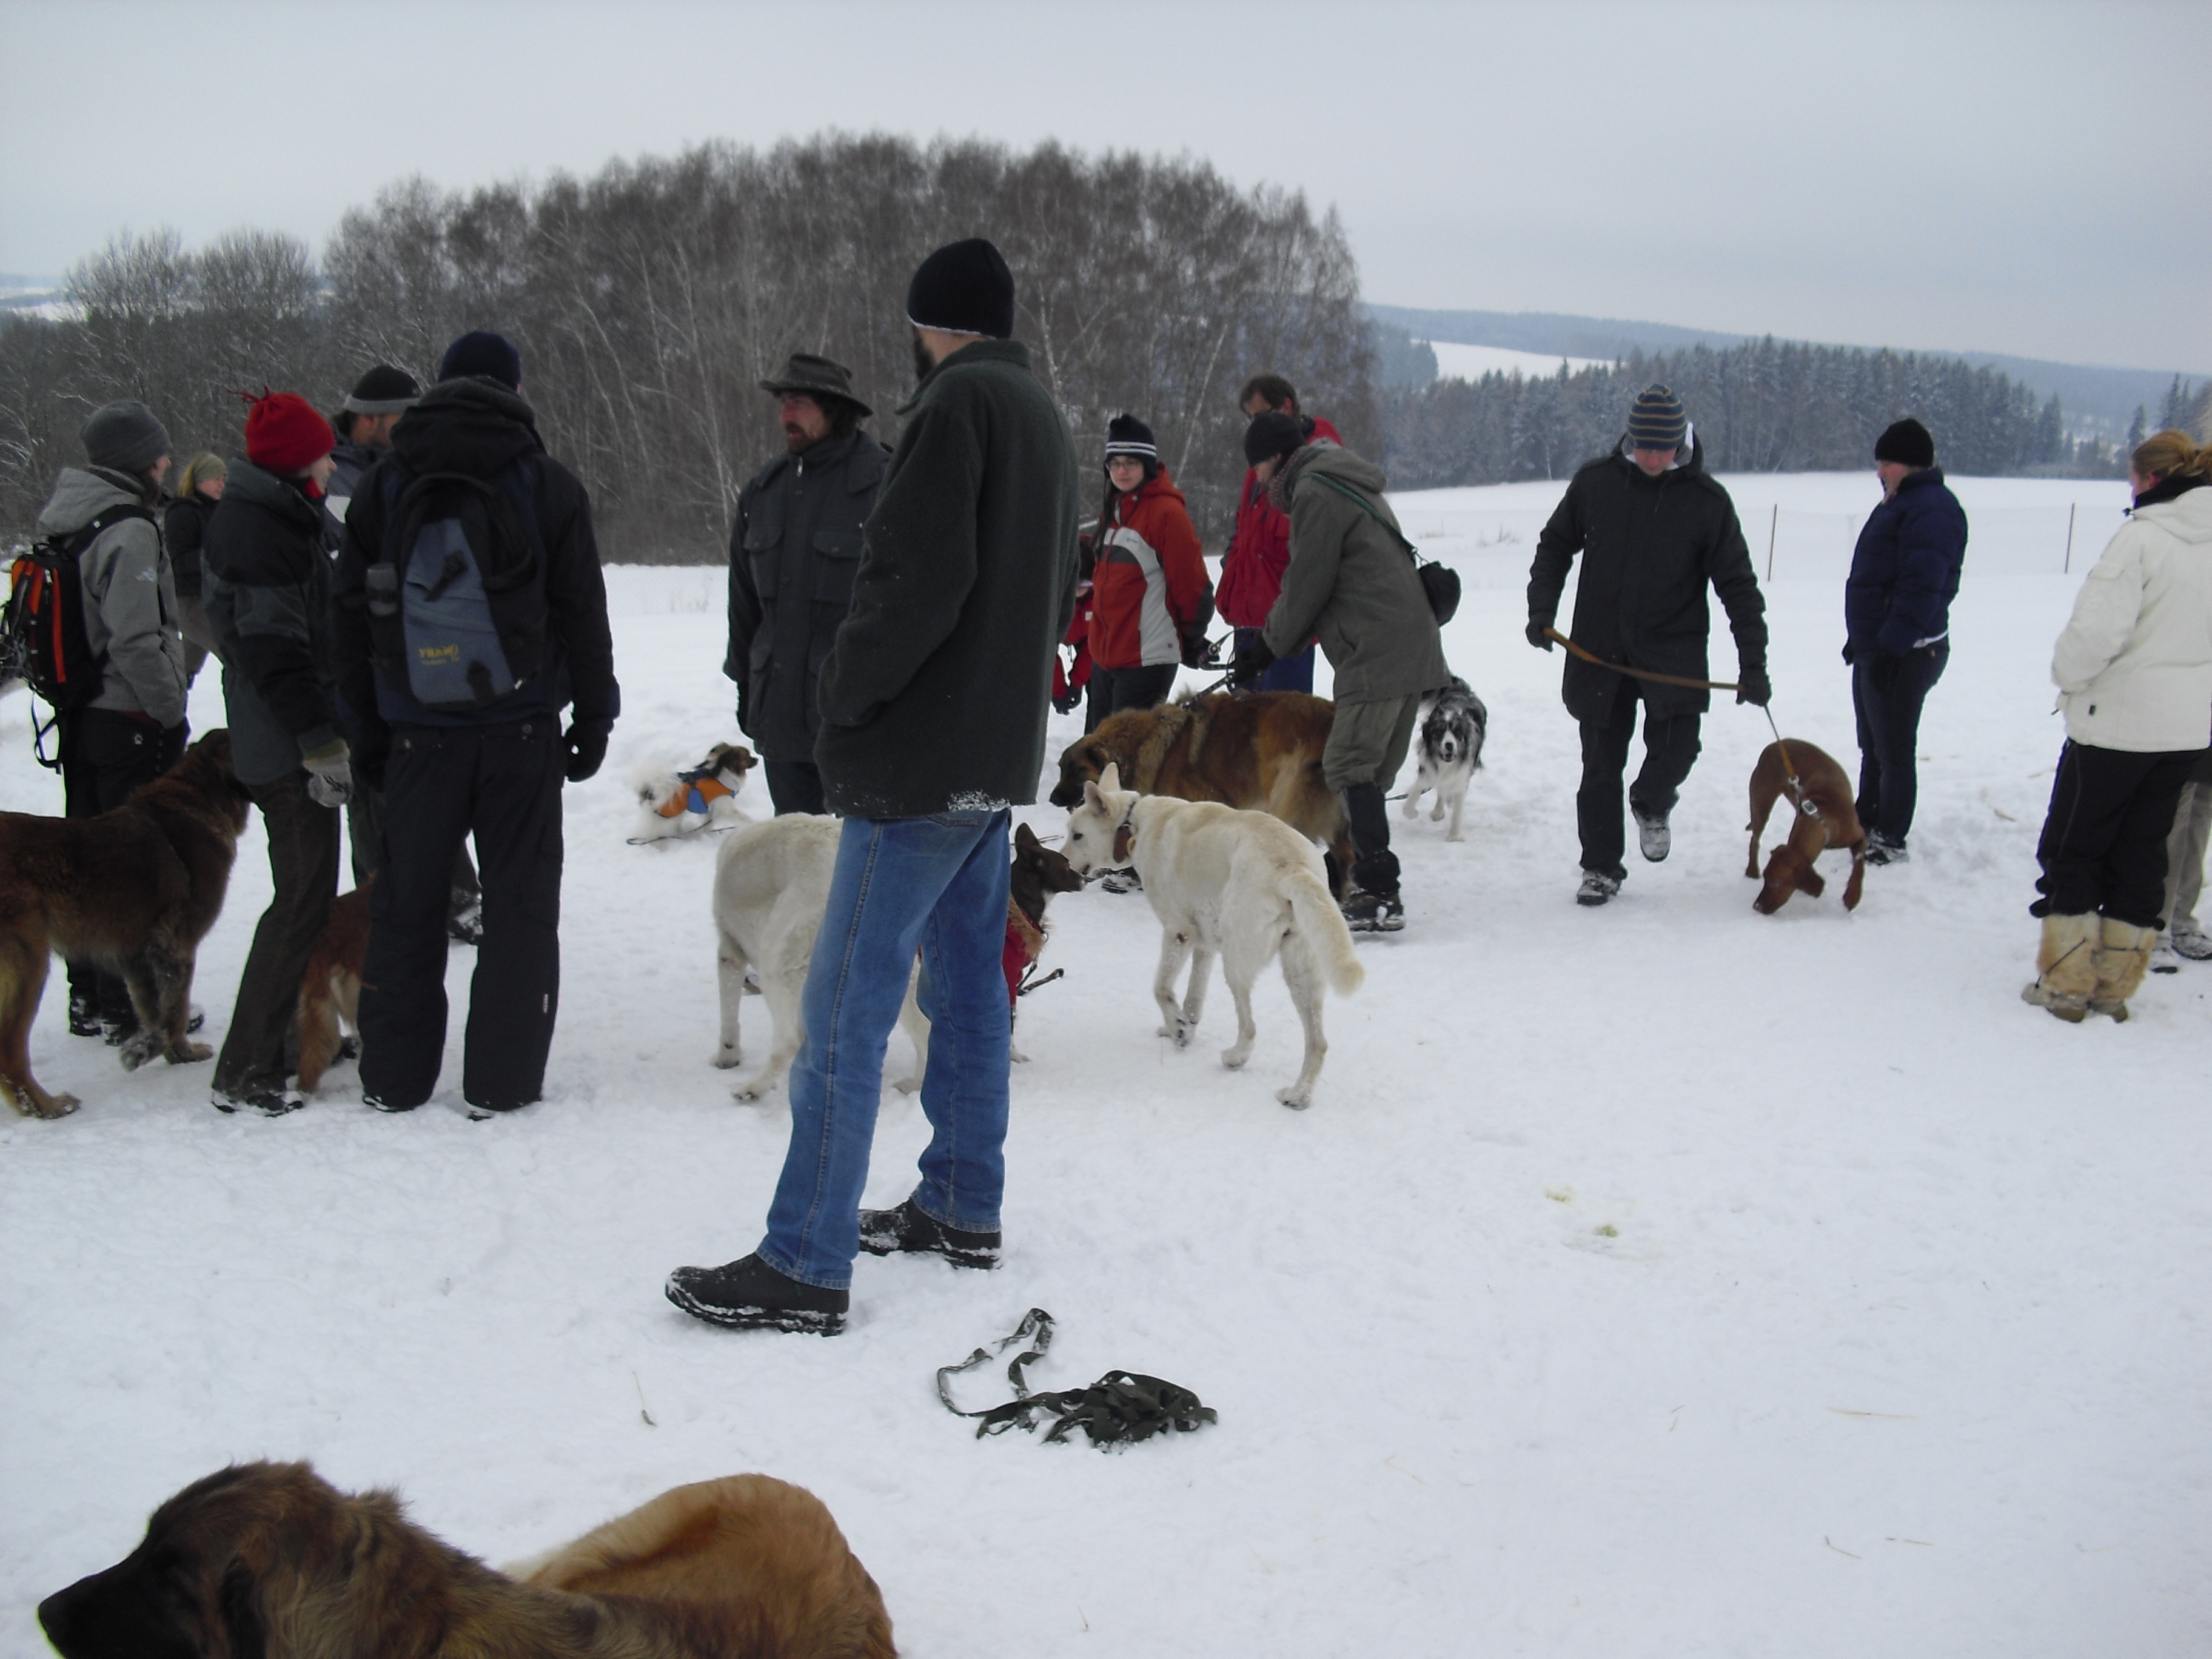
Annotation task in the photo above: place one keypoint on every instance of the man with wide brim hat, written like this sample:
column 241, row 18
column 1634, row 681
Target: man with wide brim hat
column 792, row 553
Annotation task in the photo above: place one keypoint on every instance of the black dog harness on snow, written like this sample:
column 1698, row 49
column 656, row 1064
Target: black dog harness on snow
column 1119, row 1409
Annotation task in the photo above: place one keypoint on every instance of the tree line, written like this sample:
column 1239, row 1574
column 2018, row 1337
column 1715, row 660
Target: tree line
column 650, row 298
column 1762, row 406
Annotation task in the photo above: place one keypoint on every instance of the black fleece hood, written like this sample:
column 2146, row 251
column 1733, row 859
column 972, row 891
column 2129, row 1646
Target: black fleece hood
column 468, row 425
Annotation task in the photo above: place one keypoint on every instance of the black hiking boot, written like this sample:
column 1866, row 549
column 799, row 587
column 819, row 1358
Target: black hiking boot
column 84, row 1015
column 269, row 1102
column 907, row 1229
column 1373, row 913
column 749, row 1295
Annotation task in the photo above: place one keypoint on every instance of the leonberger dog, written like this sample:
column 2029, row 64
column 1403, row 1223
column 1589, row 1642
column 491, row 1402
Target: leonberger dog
column 1256, row 751
column 134, row 890
column 270, row 1561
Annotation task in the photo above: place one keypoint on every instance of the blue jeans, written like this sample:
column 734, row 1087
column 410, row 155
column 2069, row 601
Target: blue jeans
column 936, row 885
column 1286, row 674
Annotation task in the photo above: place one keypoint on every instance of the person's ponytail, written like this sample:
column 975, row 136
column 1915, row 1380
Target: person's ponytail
column 2172, row 453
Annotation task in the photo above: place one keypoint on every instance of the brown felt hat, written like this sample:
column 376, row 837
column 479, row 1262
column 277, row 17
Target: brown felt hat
column 818, row 377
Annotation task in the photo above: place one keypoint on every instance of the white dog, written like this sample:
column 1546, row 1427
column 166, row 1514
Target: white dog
column 1453, row 723
column 672, row 803
column 771, row 885
column 1242, row 885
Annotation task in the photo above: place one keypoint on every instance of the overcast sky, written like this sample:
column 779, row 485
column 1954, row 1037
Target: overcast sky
column 2020, row 178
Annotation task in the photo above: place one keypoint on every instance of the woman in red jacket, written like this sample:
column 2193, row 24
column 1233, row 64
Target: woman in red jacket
column 1150, row 599
column 1260, row 550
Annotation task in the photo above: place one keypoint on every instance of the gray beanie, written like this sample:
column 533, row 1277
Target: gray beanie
column 124, row 437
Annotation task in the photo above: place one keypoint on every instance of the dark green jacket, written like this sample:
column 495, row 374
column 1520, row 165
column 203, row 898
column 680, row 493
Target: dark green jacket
column 1349, row 581
column 934, row 696
column 1651, row 547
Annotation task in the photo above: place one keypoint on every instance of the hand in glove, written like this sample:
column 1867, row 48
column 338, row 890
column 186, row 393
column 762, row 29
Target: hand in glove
column 587, row 747
column 1537, row 636
column 330, row 772
column 1253, row 661
column 1752, row 686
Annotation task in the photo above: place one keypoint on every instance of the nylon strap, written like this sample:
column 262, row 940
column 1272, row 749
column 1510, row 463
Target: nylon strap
column 1119, row 1409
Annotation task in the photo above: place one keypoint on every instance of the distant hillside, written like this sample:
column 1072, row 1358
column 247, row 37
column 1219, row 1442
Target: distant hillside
column 2095, row 399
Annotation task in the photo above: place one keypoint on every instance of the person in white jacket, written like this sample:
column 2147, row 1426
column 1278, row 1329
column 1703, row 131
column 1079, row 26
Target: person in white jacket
column 2134, row 668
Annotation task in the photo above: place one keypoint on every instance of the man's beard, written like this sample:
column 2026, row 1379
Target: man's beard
column 923, row 362
column 795, row 438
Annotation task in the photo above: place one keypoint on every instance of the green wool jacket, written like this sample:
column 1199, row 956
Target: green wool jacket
column 934, row 693
column 1351, row 583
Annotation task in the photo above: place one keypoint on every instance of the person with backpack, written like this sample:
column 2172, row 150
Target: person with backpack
column 1259, row 548
column 469, row 612
column 184, row 530
column 118, row 686
column 1353, row 582
column 1150, row 599
column 267, row 586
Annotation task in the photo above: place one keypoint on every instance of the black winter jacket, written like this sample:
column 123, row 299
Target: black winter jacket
column 1905, row 570
column 1650, row 547
column 183, row 532
column 934, row 696
column 266, row 583
column 793, row 553
column 476, row 426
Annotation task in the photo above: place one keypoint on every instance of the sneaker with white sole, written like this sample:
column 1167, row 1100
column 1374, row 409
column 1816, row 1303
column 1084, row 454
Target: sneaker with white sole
column 1653, row 837
column 1597, row 888
column 269, row 1102
column 2163, row 960
column 2190, row 940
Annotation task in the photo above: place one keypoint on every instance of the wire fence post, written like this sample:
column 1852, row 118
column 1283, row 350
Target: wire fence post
column 1773, row 523
column 2066, row 569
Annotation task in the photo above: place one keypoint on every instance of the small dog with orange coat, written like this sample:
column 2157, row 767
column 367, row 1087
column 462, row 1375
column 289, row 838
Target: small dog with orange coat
column 1823, row 817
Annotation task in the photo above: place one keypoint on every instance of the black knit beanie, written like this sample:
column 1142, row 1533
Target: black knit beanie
column 383, row 390
column 965, row 287
column 1657, row 421
column 1271, row 434
column 483, row 352
column 1905, row 440
column 124, row 437
column 1127, row 435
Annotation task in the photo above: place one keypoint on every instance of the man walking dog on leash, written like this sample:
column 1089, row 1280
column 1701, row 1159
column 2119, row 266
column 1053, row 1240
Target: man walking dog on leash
column 1353, row 582
column 933, row 704
column 1654, row 528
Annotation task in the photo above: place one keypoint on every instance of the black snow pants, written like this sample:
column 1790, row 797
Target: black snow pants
column 261, row 1050
column 105, row 756
column 502, row 783
column 2103, row 847
column 1670, row 748
column 1113, row 689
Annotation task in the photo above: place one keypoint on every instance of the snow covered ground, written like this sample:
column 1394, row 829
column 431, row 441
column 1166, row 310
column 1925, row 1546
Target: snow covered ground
column 1657, row 1279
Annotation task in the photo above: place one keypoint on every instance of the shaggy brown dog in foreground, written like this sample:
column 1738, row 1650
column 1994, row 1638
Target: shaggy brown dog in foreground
column 329, row 989
column 1259, row 751
column 1833, row 821
column 269, row 1561
column 134, row 890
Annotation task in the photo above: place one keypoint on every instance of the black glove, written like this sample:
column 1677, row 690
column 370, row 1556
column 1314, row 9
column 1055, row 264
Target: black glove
column 1847, row 654
column 1752, row 686
column 1253, row 661
column 1197, row 650
column 587, row 747
column 1537, row 636
column 1066, row 704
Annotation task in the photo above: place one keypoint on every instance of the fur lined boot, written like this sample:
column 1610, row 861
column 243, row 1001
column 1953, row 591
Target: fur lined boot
column 2122, row 960
column 2065, row 967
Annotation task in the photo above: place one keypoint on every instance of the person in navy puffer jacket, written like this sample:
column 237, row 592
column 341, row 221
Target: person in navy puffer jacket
column 1897, row 618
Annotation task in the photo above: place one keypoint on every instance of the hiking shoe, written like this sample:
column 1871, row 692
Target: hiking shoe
column 749, row 1295
column 480, row 1110
column 1373, row 913
column 1597, row 887
column 349, row 1047
column 1880, row 849
column 2163, row 959
column 1121, row 881
column 907, row 1229
column 116, row 1032
column 84, row 1015
column 269, row 1102
column 2192, row 941
column 466, row 924
column 1653, row 838
column 195, row 1017
column 379, row 1103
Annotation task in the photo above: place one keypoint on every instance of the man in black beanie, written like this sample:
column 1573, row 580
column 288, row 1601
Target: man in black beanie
column 933, row 705
column 1655, row 530
column 1896, row 626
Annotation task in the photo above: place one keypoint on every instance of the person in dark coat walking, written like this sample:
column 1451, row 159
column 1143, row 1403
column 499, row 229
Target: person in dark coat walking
column 493, row 769
column 133, row 730
column 1897, row 623
column 267, row 586
column 1654, row 530
column 794, row 552
column 184, row 531
column 933, row 705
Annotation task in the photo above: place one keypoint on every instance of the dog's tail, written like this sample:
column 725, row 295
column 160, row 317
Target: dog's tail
column 1321, row 925
column 653, row 780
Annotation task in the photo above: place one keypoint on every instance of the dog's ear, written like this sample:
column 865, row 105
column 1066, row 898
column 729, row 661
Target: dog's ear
column 1111, row 777
column 738, row 755
column 241, row 1620
column 1025, row 841
column 1094, row 800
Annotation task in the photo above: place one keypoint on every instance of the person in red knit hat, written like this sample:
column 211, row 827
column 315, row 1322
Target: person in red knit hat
column 267, row 592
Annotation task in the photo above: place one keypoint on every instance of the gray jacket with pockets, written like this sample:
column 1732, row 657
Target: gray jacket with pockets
column 130, row 595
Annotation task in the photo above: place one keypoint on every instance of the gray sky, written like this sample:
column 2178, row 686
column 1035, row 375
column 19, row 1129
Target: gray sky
column 2020, row 178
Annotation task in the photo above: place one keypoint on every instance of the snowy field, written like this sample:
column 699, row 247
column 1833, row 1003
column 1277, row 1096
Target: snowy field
column 1661, row 1280
column 1456, row 362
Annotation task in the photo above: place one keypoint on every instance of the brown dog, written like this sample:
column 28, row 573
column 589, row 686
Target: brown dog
column 1256, row 751
column 268, row 1559
column 1831, row 821
column 329, row 989
column 135, row 890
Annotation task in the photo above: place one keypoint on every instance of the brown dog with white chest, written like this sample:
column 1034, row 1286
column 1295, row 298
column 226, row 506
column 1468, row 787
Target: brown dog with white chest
column 1823, row 817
